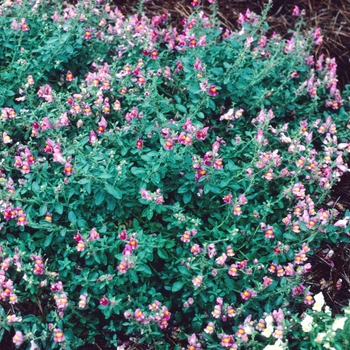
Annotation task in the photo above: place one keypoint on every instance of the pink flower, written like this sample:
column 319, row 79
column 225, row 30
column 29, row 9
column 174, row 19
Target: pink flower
column 221, row 259
column 139, row 315
column 186, row 237
column 69, row 76
column 24, row 25
column 169, row 144
column 58, row 336
column 267, row 281
column 247, row 294
column 18, row 338
column 198, row 65
column 211, row 250
column 133, row 243
column 297, row 290
column 309, row 300
column 216, row 313
column 342, row 223
column 88, row 34
column 102, row 126
column 195, row 3
column 230, row 311
column 80, row 247
column 62, row 301
column 233, row 271
column 227, row 198
column 209, row 329
column 94, row 235
column 197, row 281
column 92, row 137
column 269, row 232
column 82, row 301
column 68, row 170
column 226, row 340
column 122, row 267
column 242, row 334
column 218, row 163
column 6, row 138
column 237, row 210
column 196, row 249
column 278, row 333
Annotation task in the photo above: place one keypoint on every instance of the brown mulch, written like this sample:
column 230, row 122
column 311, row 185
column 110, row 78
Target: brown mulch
column 332, row 16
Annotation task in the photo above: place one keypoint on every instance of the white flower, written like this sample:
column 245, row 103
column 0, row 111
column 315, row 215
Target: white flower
column 269, row 328
column 320, row 337
column 319, row 302
column 328, row 346
column 279, row 345
column 269, row 320
column 339, row 323
column 306, row 323
column 267, row 331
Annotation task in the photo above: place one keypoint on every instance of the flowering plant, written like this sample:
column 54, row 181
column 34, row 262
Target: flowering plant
column 152, row 175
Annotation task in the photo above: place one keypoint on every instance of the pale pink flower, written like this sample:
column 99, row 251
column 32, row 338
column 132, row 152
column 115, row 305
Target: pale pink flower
column 197, row 281
column 18, row 338
column 58, row 336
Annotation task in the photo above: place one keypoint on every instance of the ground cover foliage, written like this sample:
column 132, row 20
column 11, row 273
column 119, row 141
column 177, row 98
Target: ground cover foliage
column 160, row 180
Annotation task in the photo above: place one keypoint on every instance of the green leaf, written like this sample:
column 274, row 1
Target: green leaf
column 181, row 108
column 35, row 188
column 58, row 208
column 187, row 197
column 114, row 191
column 162, row 253
column 177, row 286
column 48, row 240
column 72, row 218
column 99, row 197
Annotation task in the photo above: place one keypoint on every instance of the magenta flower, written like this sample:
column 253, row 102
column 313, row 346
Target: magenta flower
column 202, row 133
column 212, row 90
column 104, row 301
column 154, row 54
column 296, row 11
column 196, row 249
